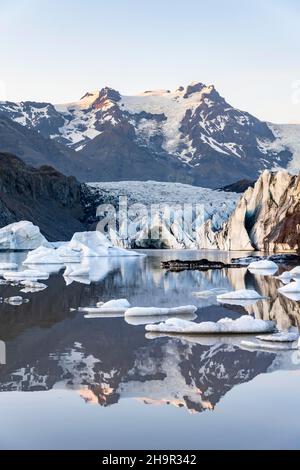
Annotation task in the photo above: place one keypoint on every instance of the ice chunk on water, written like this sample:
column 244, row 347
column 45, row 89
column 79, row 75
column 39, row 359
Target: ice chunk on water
column 43, row 255
column 118, row 306
column 8, row 266
column 242, row 294
column 17, row 300
column 281, row 337
column 263, row 264
column 27, row 274
column 21, row 235
column 268, row 346
column 242, row 325
column 291, row 288
column 153, row 311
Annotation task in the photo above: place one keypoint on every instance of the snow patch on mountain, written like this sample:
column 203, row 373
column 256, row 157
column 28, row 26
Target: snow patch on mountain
column 172, row 105
column 287, row 138
column 199, row 136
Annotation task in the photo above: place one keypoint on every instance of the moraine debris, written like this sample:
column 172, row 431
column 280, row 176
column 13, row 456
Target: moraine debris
column 196, row 265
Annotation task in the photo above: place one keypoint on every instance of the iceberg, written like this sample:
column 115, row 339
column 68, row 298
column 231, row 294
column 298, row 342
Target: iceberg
column 268, row 346
column 17, row 300
column 21, row 236
column 280, row 337
column 291, row 288
column 156, row 311
column 103, row 315
column 146, row 320
column 243, row 294
column 206, row 294
column 27, row 274
column 8, row 266
column 118, row 306
column 95, row 244
column 68, row 254
column 263, row 265
column 285, row 277
column 82, row 271
column 32, row 286
column 203, row 340
column 243, row 325
column 295, row 271
column 43, row 255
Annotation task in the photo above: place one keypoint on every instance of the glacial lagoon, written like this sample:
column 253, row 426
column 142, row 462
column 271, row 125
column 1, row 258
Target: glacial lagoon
column 103, row 383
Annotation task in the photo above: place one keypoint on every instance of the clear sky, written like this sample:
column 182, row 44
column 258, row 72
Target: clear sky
column 56, row 50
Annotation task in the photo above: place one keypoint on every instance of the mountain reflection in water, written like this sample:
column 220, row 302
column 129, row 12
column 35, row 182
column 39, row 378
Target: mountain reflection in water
column 51, row 346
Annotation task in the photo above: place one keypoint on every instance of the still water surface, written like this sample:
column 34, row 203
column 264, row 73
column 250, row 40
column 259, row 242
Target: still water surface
column 76, row 383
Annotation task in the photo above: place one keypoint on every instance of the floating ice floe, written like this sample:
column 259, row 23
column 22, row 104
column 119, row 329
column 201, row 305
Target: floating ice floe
column 146, row 320
column 268, row 346
column 264, row 265
column 32, row 286
column 291, row 288
column 17, row 300
column 263, row 268
column 242, row 297
column 80, row 273
column 21, row 236
column 43, row 255
column 68, row 254
column 280, row 337
column 118, row 306
column 77, row 272
column 243, row 325
column 156, row 311
column 8, row 266
column 295, row 271
column 27, row 274
column 93, row 316
column 203, row 340
column 95, row 244
column 205, row 294
column 285, row 277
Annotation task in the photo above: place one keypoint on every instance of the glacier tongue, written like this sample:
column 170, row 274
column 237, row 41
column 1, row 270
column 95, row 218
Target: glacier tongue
column 164, row 207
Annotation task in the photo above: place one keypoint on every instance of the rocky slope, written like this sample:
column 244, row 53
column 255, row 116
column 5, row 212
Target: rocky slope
column 239, row 186
column 35, row 149
column 267, row 217
column 43, row 196
column 190, row 135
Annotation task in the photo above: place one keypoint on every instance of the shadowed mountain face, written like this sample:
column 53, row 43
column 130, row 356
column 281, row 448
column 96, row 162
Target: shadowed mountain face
column 35, row 149
column 191, row 135
column 43, row 196
column 238, row 187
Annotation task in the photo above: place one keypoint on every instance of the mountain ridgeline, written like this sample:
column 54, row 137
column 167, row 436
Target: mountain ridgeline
column 190, row 135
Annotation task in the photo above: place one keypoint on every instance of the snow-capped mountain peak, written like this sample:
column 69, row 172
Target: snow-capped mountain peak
column 191, row 130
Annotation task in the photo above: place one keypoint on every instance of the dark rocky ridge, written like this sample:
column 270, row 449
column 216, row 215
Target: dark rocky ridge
column 239, row 187
column 54, row 202
column 178, row 265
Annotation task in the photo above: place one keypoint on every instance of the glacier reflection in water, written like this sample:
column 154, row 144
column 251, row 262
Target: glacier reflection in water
column 50, row 346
